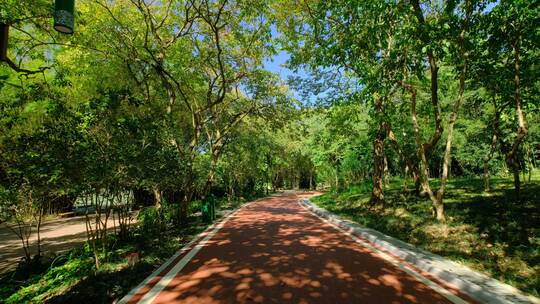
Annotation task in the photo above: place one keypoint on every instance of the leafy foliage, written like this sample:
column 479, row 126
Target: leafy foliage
column 171, row 102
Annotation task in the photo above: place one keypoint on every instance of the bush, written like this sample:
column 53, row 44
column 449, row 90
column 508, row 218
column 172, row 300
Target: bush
column 150, row 220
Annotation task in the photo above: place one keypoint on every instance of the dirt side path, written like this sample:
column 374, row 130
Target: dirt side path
column 275, row 251
column 56, row 236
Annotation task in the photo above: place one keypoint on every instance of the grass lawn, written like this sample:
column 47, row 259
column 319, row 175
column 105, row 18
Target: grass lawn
column 486, row 231
column 72, row 277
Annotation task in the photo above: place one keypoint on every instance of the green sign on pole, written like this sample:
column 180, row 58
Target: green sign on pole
column 63, row 16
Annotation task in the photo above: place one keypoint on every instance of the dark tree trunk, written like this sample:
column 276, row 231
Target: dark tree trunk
column 386, row 172
column 157, row 197
column 494, row 139
column 377, row 193
column 144, row 197
column 512, row 157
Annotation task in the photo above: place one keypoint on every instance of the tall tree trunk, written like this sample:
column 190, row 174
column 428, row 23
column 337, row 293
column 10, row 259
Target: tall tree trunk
column 512, row 156
column 439, row 205
column 530, row 164
column 38, row 229
column 494, row 138
column 487, row 159
column 216, row 151
column 418, row 190
column 453, row 118
column 267, row 173
column 311, row 179
column 423, row 166
column 184, row 207
column 386, row 172
column 434, row 70
column 377, row 194
column 406, row 160
column 189, row 192
column 157, row 198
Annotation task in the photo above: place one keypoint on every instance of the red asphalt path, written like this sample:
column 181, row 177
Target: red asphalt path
column 275, row 251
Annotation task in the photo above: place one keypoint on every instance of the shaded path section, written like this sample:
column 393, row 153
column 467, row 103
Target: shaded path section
column 274, row 251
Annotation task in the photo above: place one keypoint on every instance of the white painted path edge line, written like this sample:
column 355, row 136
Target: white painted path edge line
column 136, row 289
column 436, row 287
column 150, row 296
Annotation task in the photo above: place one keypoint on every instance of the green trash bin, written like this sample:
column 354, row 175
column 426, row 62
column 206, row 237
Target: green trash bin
column 208, row 211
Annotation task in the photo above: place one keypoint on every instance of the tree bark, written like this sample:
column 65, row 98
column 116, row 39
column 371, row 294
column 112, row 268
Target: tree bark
column 184, row 206
column 405, row 179
column 420, row 183
column 38, row 230
column 439, row 205
column 418, row 190
column 487, row 159
column 310, row 179
column 530, row 164
column 494, row 138
column 377, row 194
column 386, row 173
column 512, row 156
column 157, row 197
column 434, row 70
column 423, row 166
column 215, row 151
column 405, row 159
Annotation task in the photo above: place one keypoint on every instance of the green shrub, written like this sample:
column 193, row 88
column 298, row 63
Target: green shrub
column 150, row 220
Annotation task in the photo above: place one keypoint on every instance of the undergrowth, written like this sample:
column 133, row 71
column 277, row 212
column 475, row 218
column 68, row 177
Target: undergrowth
column 489, row 232
column 71, row 277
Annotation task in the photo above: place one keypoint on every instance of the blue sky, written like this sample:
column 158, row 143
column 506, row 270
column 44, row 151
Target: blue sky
column 276, row 65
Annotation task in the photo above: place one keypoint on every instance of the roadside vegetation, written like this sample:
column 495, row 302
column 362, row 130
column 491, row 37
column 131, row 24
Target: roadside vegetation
column 484, row 231
column 422, row 117
column 72, row 276
column 428, row 123
column 140, row 111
